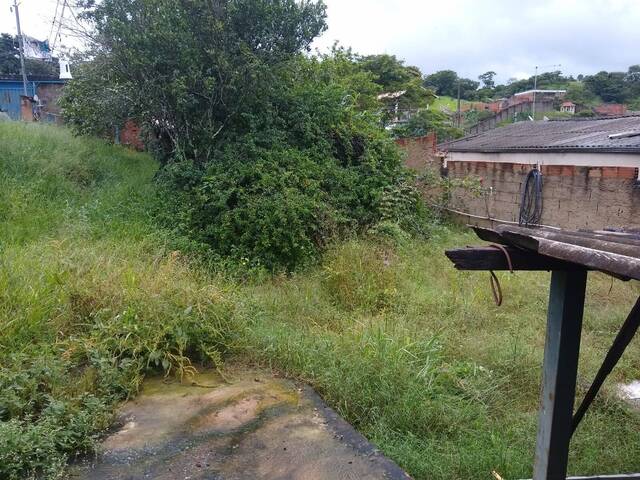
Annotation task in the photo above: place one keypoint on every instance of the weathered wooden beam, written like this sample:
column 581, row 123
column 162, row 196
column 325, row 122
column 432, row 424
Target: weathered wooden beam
column 491, row 258
column 488, row 235
column 629, row 239
column 596, row 242
column 560, row 370
column 621, row 266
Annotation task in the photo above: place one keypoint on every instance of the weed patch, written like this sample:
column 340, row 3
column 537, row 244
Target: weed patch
column 94, row 296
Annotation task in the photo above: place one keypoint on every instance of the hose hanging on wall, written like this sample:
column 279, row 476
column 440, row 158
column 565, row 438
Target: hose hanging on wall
column 531, row 200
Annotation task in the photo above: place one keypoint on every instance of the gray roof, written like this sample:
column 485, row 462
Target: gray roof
column 584, row 135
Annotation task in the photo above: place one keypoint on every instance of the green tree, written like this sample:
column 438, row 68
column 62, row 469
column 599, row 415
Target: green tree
column 394, row 77
column 445, row 82
column 609, row 86
column 268, row 153
column 580, row 95
column 487, row 79
column 632, row 81
column 389, row 72
column 190, row 69
column 427, row 121
column 10, row 60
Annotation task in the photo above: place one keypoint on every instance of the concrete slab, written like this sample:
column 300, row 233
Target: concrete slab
column 250, row 426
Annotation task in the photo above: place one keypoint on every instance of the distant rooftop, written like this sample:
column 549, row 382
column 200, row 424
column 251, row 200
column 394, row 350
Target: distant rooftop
column 31, row 78
column 612, row 134
column 526, row 92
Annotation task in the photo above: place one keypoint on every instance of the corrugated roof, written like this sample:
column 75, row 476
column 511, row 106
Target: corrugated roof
column 31, row 78
column 573, row 135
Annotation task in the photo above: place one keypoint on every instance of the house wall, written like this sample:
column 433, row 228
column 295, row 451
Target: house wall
column 507, row 114
column 419, row 152
column 594, row 196
column 48, row 94
column 10, row 93
column 131, row 135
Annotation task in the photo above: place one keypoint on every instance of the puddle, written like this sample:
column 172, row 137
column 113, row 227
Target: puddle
column 253, row 426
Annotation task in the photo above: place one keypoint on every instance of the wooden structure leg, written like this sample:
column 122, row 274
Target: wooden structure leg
column 562, row 348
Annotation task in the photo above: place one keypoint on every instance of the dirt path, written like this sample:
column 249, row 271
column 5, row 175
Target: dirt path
column 255, row 426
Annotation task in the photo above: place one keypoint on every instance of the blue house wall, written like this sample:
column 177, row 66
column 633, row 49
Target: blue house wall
column 10, row 91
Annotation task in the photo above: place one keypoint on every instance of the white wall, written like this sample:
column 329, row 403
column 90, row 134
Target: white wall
column 550, row 158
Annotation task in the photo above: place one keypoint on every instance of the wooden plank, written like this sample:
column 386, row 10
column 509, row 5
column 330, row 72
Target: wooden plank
column 604, row 244
column 612, row 236
column 561, row 351
column 613, row 263
column 491, row 258
column 488, row 235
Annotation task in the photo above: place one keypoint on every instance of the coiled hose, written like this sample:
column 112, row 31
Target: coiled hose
column 531, row 200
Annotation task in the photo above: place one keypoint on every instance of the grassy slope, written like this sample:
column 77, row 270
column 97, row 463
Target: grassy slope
column 410, row 351
column 448, row 103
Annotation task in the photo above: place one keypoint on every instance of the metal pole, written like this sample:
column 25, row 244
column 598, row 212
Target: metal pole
column 458, row 115
column 21, row 44
column 535, row 87
column 561, row 351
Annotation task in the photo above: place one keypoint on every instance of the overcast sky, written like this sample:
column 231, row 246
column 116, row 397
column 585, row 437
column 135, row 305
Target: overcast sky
column 509, row 37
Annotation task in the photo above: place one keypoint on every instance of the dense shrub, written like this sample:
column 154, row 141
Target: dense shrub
column 310, row 167
column 268, row 153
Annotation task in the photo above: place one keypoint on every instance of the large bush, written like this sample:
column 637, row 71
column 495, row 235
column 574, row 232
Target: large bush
column 268, row 153
column 310, row 167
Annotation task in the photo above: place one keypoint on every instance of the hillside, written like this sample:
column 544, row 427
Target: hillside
column 96, row 295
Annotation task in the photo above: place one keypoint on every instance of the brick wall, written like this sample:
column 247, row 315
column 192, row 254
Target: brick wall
column 131, row 135
column 573, row 197
column 48, row 94
column 419, row 152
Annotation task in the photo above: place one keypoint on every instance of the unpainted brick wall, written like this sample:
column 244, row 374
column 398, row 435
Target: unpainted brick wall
column 131, row 135
column 419, row 152
column 573, row 197
column 49, row 95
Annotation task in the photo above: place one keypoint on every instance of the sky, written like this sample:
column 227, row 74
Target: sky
column 471, row 37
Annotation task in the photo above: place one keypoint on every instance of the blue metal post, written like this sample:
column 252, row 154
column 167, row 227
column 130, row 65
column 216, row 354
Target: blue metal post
column 561, row 351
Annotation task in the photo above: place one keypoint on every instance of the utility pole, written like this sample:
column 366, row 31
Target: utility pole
column 458, row 115
column 21, row 44
column 535, row 87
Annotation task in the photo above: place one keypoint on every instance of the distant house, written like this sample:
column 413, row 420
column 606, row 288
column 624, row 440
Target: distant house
column 589, row 169
column 540, row 95
column 568, row 107
column 505, row 110
column 42, row 90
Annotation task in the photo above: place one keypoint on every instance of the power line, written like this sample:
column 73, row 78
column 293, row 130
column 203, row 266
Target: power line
column 57, row 37
column 53, row 23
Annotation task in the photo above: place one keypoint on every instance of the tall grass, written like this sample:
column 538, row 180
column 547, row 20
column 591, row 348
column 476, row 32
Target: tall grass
column 94, row 296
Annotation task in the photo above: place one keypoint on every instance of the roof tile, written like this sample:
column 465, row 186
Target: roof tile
column 555, row 135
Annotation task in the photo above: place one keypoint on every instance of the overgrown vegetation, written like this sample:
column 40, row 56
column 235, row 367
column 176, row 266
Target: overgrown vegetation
column 268, row 154
column 95, row 295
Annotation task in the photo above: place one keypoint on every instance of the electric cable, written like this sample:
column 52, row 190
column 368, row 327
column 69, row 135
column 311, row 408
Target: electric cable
column 531, row 199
